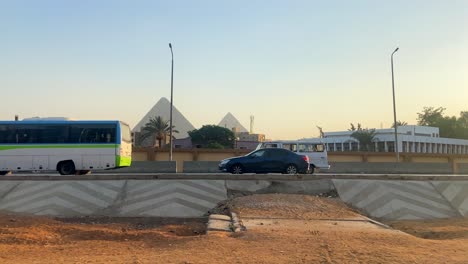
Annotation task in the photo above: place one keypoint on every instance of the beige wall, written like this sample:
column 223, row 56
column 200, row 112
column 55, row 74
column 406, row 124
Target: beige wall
column 180, row 155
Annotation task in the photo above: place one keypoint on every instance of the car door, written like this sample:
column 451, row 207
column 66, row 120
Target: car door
column 275, row 160
column 255, row 161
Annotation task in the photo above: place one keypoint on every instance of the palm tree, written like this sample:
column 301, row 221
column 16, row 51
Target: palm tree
column 366, row 138
column 158, row 129
column 400, row 123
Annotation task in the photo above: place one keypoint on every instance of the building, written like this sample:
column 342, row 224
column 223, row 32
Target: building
column 415, row 139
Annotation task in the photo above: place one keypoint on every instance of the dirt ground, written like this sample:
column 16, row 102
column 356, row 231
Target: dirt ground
column 280, row 229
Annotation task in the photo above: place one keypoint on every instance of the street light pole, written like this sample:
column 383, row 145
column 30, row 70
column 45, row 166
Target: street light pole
column 172, row 88
column 394, row 111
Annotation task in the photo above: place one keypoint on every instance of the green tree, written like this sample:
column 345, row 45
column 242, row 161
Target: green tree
column 449, row 126
column 365, row 137
column 211, row 136
column 430, row 116
column 462, row 125
column 157, row 129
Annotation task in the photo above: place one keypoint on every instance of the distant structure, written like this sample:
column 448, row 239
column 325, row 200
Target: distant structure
column 413, row 139
column 244, row 139
column 162, row 108
column 230, row 122
column 251, row 124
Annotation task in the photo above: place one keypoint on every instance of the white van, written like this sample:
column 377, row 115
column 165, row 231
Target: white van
column 315, row 150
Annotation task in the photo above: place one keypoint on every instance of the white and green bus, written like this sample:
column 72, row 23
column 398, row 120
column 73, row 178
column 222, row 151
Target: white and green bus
column 67, row 146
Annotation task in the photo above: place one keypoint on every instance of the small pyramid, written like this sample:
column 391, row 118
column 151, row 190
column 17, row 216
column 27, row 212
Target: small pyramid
column 230, row 122
column 162, row 108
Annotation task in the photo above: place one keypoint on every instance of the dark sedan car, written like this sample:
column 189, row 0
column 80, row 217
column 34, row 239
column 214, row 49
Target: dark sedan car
column 266, row 161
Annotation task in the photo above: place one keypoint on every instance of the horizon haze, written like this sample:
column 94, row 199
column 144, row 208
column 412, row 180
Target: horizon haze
column 293, row 65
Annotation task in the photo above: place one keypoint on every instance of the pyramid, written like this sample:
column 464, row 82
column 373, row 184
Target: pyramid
column 162, row 108
column 230, row 122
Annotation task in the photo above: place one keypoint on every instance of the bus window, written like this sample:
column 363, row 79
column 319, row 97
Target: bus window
column 126, row 133
column 269, row 145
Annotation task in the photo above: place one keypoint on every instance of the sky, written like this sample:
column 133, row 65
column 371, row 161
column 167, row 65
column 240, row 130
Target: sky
column 293, row 65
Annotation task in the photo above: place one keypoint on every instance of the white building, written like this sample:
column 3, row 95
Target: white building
column 416, row 139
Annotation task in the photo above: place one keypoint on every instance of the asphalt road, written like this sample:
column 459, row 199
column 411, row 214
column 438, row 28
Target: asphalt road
column 227, row 176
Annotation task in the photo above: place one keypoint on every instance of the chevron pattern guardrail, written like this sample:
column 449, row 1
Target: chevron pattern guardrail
column 112, row 198
column 398, row 200
column 456, row 192
column 385, row 199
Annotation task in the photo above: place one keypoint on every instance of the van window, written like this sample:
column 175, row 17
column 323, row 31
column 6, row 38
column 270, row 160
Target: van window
column 309, row 147
column 291, row 147
column 320, row 148
column 306, row 147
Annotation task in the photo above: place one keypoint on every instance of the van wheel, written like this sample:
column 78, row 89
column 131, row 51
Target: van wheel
column 291, row 169
column 66, row 167
column 311, row 169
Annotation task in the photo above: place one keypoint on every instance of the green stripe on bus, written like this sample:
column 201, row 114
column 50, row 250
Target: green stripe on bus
column 123, row 161
column 9, row 147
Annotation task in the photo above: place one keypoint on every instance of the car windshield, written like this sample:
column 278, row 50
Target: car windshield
column 250, row 153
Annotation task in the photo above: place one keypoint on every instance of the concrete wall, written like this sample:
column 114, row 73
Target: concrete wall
column 463, row 168
column 336, row 167
column 201, row 166
column 389, row 167
column 405, row 200
column 146, row 166
column 390, row 200
column 361, row 161
column 124, row 198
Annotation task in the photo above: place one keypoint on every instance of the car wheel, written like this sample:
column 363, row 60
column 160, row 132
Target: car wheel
column 237, row 169
column 66, row 167
column 291, row 169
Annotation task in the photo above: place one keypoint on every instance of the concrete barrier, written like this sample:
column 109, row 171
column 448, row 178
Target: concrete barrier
column 379, row 198
column 124, row 198
column 336, row 167
column 201, row 166
column 406, row 200
column 463, row 168
column 390, row 167
column 146, row 166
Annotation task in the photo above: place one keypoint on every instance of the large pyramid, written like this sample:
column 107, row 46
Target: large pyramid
column 162, row 108
column 230, row 122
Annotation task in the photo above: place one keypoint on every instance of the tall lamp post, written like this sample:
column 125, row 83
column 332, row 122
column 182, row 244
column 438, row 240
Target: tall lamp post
column 394, row 111
column 172, row 86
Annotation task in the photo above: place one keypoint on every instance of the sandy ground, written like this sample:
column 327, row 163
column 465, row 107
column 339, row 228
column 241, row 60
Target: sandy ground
column 281, row 229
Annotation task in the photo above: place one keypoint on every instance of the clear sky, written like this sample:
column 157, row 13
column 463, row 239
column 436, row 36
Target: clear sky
column 294, row 65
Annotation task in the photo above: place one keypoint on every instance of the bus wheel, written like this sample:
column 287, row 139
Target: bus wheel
column 4, row 173
column 66, row 167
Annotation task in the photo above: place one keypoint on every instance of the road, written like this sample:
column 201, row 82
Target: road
column 227, row 176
